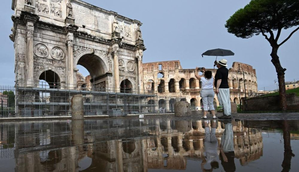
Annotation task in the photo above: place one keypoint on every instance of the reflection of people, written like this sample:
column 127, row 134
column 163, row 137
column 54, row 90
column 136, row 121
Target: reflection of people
column 227, row 153
column 222, row 88
column 209, row 158
column 207, row 92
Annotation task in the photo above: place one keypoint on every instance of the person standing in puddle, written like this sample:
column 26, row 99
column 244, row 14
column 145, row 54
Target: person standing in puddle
column 207, row 93
column 222, row 88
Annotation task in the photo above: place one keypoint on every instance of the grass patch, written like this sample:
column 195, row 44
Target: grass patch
column 295, row 90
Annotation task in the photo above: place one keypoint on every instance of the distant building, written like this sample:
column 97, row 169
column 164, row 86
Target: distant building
column 3, row 100
column 291, row 85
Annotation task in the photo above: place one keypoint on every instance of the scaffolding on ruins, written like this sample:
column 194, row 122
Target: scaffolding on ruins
column 42, row 102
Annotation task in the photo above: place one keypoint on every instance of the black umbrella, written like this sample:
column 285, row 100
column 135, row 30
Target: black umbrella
column 218, row 52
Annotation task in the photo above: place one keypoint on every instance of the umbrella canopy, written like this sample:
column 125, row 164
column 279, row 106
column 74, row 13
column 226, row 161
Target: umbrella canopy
column 218, row 52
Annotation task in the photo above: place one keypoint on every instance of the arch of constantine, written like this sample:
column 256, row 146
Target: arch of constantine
column 53, row 38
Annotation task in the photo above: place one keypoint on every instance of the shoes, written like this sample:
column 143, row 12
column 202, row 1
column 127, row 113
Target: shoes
column 214, row 117
column 225, row 117
column 204, row 117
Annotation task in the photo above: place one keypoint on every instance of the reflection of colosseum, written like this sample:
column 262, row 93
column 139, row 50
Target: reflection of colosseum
column 172, row 83
column 156, row 144
column 172, row 146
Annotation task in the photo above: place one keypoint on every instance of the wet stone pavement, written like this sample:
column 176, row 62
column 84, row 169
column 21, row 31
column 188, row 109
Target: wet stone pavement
column 247, row 142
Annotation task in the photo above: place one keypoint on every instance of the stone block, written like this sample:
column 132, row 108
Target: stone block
column 77, row 107
column 233, row 107
column 182, row 108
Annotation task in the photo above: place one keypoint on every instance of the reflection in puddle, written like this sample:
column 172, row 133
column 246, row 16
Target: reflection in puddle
column 154, row 144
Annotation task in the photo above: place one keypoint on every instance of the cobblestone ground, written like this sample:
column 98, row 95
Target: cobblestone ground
column 193, row 115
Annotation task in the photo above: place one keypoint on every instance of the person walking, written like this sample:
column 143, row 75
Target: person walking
column 207, row 93
column 222, row 88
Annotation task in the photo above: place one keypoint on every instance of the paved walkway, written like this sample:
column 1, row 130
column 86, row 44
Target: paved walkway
column 196, row 115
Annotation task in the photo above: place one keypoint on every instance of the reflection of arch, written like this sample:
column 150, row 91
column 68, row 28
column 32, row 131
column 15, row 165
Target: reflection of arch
column 161, row 86
column 128, row 145
column 164, row 143
column 54, row 157
column 171, row 86
column 126, row 86
column 84, row 163
column 196, row 145
column 171, row 105
column 175, row 143
column 51, row 78
column 186, row 145
column 192, row 83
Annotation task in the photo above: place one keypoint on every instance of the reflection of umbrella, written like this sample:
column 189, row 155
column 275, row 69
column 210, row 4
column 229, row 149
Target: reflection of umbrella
column 218, row 52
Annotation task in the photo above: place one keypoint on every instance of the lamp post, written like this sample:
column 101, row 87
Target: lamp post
column 2, row 107
column 244, row 84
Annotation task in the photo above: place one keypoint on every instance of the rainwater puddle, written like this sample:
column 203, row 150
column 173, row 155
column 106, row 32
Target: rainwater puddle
column 152, row 144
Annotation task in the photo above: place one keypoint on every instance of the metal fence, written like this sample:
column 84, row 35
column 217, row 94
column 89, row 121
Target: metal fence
column 39, row 101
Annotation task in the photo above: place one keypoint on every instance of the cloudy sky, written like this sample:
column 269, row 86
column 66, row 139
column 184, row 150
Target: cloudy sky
column 182, row 30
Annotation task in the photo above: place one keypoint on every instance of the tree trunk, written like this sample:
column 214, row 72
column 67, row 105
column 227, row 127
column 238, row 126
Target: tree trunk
column 280, row 76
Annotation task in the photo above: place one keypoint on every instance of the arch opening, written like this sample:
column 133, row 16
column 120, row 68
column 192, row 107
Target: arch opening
column 126, row 86
column 91, row 73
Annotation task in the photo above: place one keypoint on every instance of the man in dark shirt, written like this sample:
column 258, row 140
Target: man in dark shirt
column 222, row 88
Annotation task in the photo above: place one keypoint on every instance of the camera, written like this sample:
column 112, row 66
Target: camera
column 201, row 68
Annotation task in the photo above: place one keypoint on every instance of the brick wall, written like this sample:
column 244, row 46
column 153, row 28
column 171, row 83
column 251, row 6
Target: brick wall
column 270, row 103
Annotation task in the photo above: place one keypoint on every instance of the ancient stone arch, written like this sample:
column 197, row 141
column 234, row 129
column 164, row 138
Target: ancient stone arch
column 55, row 35
column 52, row 77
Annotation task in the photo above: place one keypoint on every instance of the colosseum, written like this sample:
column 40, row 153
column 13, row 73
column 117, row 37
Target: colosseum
column 172, row 83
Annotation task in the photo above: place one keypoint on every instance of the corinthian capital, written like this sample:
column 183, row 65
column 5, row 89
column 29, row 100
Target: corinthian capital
column 29, row 17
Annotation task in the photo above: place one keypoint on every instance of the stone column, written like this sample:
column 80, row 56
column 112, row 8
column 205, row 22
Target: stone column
column 30, row 20
column 77, row 107
column 199, row 125
column 115, row 48
column 168, row 126
column 155, row 84
column 187, row 84
column 230, row 83
column 167, row 104
column 166, row 87
column 139, row 56
column 177, row 86
column 70, row 57
column 157, row 126
column 70, row 62
column 196, row 84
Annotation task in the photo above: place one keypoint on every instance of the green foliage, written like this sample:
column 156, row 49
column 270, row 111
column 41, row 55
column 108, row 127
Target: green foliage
column 11, row 98
column 263, row 16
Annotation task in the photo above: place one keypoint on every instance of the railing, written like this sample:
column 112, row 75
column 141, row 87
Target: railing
column 42, row 102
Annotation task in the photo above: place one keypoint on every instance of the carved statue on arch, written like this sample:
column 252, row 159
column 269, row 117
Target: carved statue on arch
column 69, row 10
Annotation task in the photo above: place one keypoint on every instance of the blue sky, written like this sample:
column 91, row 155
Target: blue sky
column 182, row 30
